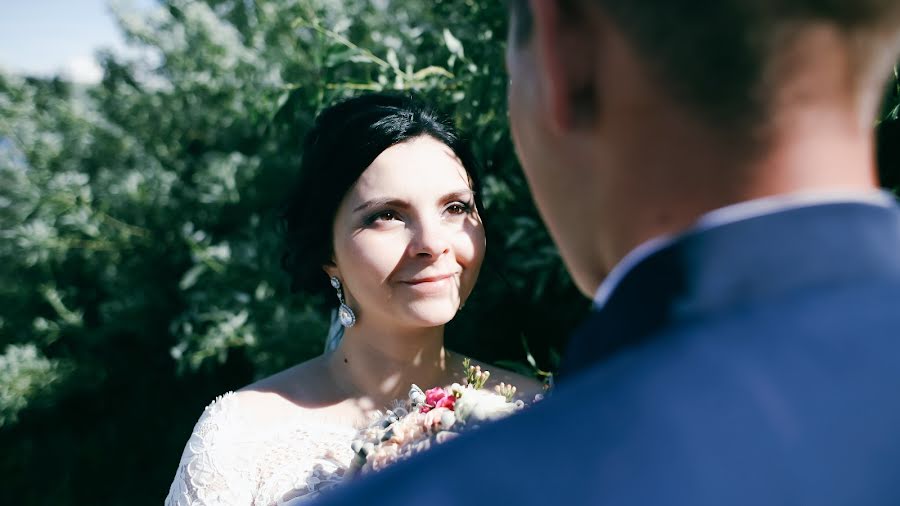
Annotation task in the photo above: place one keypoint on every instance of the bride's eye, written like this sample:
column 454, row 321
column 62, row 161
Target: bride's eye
column 382, row 216
column 459, row 208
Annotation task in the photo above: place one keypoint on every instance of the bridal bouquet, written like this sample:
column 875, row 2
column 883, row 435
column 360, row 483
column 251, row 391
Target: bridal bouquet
column 431, row 417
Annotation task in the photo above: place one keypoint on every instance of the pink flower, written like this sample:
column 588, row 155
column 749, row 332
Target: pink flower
column 434, row 395
column 437, row 398
column 446, row 402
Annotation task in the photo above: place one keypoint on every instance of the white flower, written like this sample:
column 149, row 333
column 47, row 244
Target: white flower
column 481, row 405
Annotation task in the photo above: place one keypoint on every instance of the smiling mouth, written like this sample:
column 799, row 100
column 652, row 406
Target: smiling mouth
column 429, row 279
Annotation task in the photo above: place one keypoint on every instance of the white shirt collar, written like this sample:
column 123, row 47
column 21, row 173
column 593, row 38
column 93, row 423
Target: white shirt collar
column 731, row 214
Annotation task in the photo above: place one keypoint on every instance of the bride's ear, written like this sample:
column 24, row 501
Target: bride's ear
column 331, row 269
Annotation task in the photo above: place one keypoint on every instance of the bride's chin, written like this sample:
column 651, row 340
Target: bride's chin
column 431, row 313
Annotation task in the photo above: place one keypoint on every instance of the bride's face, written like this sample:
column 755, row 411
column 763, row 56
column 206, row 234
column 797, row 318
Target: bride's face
column 408, row 241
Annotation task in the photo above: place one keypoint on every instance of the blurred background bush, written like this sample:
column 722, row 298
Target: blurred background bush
column 139, row 250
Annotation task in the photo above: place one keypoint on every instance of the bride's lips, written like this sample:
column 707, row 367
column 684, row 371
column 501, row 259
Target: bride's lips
column 435, row 283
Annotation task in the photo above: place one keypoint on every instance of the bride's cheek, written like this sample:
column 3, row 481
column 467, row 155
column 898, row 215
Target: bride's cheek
column 382, row 252
column 472, row 250
column 468, row 260
column 462, row 250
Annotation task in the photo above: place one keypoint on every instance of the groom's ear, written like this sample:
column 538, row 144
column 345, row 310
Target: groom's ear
column 565, row 42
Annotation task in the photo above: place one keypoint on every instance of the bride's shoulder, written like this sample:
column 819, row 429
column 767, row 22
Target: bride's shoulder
column 257, row 429
column 306, row 394
column 297, row 393
column 287, row 396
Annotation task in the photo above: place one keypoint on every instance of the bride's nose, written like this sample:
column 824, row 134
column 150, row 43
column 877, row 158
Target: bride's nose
column 430, row 238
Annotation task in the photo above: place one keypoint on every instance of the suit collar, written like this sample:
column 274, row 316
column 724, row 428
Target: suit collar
column 734, row 213
column 744, row 262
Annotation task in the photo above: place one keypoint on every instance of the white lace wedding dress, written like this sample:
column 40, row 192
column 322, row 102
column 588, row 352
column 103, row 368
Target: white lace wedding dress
column 230, row 460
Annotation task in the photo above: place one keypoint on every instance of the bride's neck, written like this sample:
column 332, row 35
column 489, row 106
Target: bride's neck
column 380, row 364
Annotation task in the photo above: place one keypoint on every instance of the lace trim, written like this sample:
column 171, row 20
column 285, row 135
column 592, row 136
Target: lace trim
column 228, row 460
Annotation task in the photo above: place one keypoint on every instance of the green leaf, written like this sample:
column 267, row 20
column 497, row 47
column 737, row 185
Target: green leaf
column 453, row 44
column 191, row 276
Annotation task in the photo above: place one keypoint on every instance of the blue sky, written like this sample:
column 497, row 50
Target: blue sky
column 56, row 36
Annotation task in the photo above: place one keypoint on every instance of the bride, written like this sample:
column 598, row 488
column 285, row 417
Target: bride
column 385, row 218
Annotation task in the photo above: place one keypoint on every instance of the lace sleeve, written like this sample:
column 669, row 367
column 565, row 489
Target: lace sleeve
column 213, row 467
column 242, row 452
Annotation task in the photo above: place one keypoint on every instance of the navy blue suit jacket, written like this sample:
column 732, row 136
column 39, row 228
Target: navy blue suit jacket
column 756, row 363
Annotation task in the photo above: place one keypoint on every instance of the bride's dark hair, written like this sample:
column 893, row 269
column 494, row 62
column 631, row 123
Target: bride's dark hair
column 345, row 139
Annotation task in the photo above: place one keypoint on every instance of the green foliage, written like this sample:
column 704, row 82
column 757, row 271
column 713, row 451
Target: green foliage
column 891, row 106
column 139, row 260
column 24, row 374
column 139, row 249
column 888, row 135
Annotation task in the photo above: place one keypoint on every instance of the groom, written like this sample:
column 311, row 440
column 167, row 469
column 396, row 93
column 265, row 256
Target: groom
column 706, row 169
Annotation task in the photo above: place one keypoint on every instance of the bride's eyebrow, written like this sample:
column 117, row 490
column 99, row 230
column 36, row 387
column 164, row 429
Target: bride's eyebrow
column 381, row 202
column 377, row 203
column 461, row 194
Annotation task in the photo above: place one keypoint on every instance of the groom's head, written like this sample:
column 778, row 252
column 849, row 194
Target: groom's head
column 631, row 117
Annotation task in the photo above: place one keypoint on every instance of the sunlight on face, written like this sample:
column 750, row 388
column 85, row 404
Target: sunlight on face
column 408, row 241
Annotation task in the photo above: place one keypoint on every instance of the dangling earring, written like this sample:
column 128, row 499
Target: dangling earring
column 345, row 314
